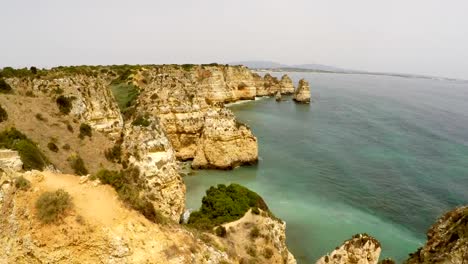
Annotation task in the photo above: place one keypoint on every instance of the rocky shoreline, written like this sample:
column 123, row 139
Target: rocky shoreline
column 149, row 119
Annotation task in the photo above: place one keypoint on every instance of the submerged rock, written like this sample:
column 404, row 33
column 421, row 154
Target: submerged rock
column 278, row 96
column 362, row 249
column 447, row 240
column 302, row 93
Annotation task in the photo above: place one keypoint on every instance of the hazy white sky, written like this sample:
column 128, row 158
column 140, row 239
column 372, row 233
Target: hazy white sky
column 410, row 36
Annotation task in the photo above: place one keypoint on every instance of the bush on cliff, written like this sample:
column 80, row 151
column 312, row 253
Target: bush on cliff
column 224, row 204
column 51, row 205
column 125, row 94
column 78, row 166
column 85, row 131
column 127, row 183
column 141, row 121
column 64, row 104
column 28, row 151
column 5, row 87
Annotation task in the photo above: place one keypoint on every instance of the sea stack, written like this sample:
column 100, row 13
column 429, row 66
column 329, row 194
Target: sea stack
column 278, row 96
column 302, row 93
column 286, row 84
column 362, row 249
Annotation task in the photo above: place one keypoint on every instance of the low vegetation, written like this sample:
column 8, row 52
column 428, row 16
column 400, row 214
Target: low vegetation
column 30, row 154
column 125, row 94
column 52, row 147
column 85, row 131
column 78, row 166
column 224, row 204
column 114, row 154
column 5, row 87
column 3, row 114
column 22, row 183
column 64, row 104
column 127, row 183
column 51, row 205
column 141, row 121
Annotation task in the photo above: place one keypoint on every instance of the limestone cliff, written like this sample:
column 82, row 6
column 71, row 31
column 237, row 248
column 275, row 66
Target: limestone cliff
column 98, row 229
column 447, row 240
column 148, row 149
column 302, row 93
column 362, row 249
column 224, row 143
column 188, row 100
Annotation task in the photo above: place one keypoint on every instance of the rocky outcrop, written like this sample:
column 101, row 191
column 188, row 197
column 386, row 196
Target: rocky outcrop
column 270, row 86
column 224, row 142
column 287, row 86
column 148, row 149
column 278, row 96
column 187, row 101
column 362, row 249
column 447, row 240
column 269, row 244
column 302, row 93
column 97, row 229
column 10, row 160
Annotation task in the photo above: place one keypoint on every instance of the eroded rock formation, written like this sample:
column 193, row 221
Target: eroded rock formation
column 287, row 86
column 447, row 240
column 224, row 143
column 362, row 249
column 302, row 93
column 148, row 149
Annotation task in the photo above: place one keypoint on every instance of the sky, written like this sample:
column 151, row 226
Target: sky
column 405, row 36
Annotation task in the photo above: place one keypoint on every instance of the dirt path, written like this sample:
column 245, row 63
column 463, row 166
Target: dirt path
column 96, row 203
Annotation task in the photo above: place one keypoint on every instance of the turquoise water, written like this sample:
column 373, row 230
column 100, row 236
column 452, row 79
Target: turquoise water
column 375, row 154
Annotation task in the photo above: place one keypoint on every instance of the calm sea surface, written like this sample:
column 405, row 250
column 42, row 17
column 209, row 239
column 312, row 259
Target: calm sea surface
column 374, row 154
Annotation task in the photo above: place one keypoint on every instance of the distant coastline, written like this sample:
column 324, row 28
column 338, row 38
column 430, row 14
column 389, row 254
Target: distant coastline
column 402, row 75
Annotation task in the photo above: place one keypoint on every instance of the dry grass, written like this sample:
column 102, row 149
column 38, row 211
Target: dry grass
column 22, row 108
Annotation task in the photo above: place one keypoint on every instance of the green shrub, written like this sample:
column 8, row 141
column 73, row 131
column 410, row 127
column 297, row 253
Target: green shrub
column 22, row 183
column 51, row 205
column 251, row 250
column 127, row 184
column 85, row 131
column 52, row 147
column 64, row 104
column 78, row 166
column 3, row 114
column 268, row 253
column 40, row 117
column 188, row 67
column 30, row 155
column 254, row 233
column 66, row 147
column 225, row 204
column 113, row 154
column 70, row 128
column 220, row 231
column 255, row 211
column 141, row 121
column 125, row 94
column 5, row 87
column 33, row 70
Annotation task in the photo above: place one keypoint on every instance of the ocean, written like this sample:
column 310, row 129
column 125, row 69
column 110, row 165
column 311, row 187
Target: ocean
column 371, row 154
